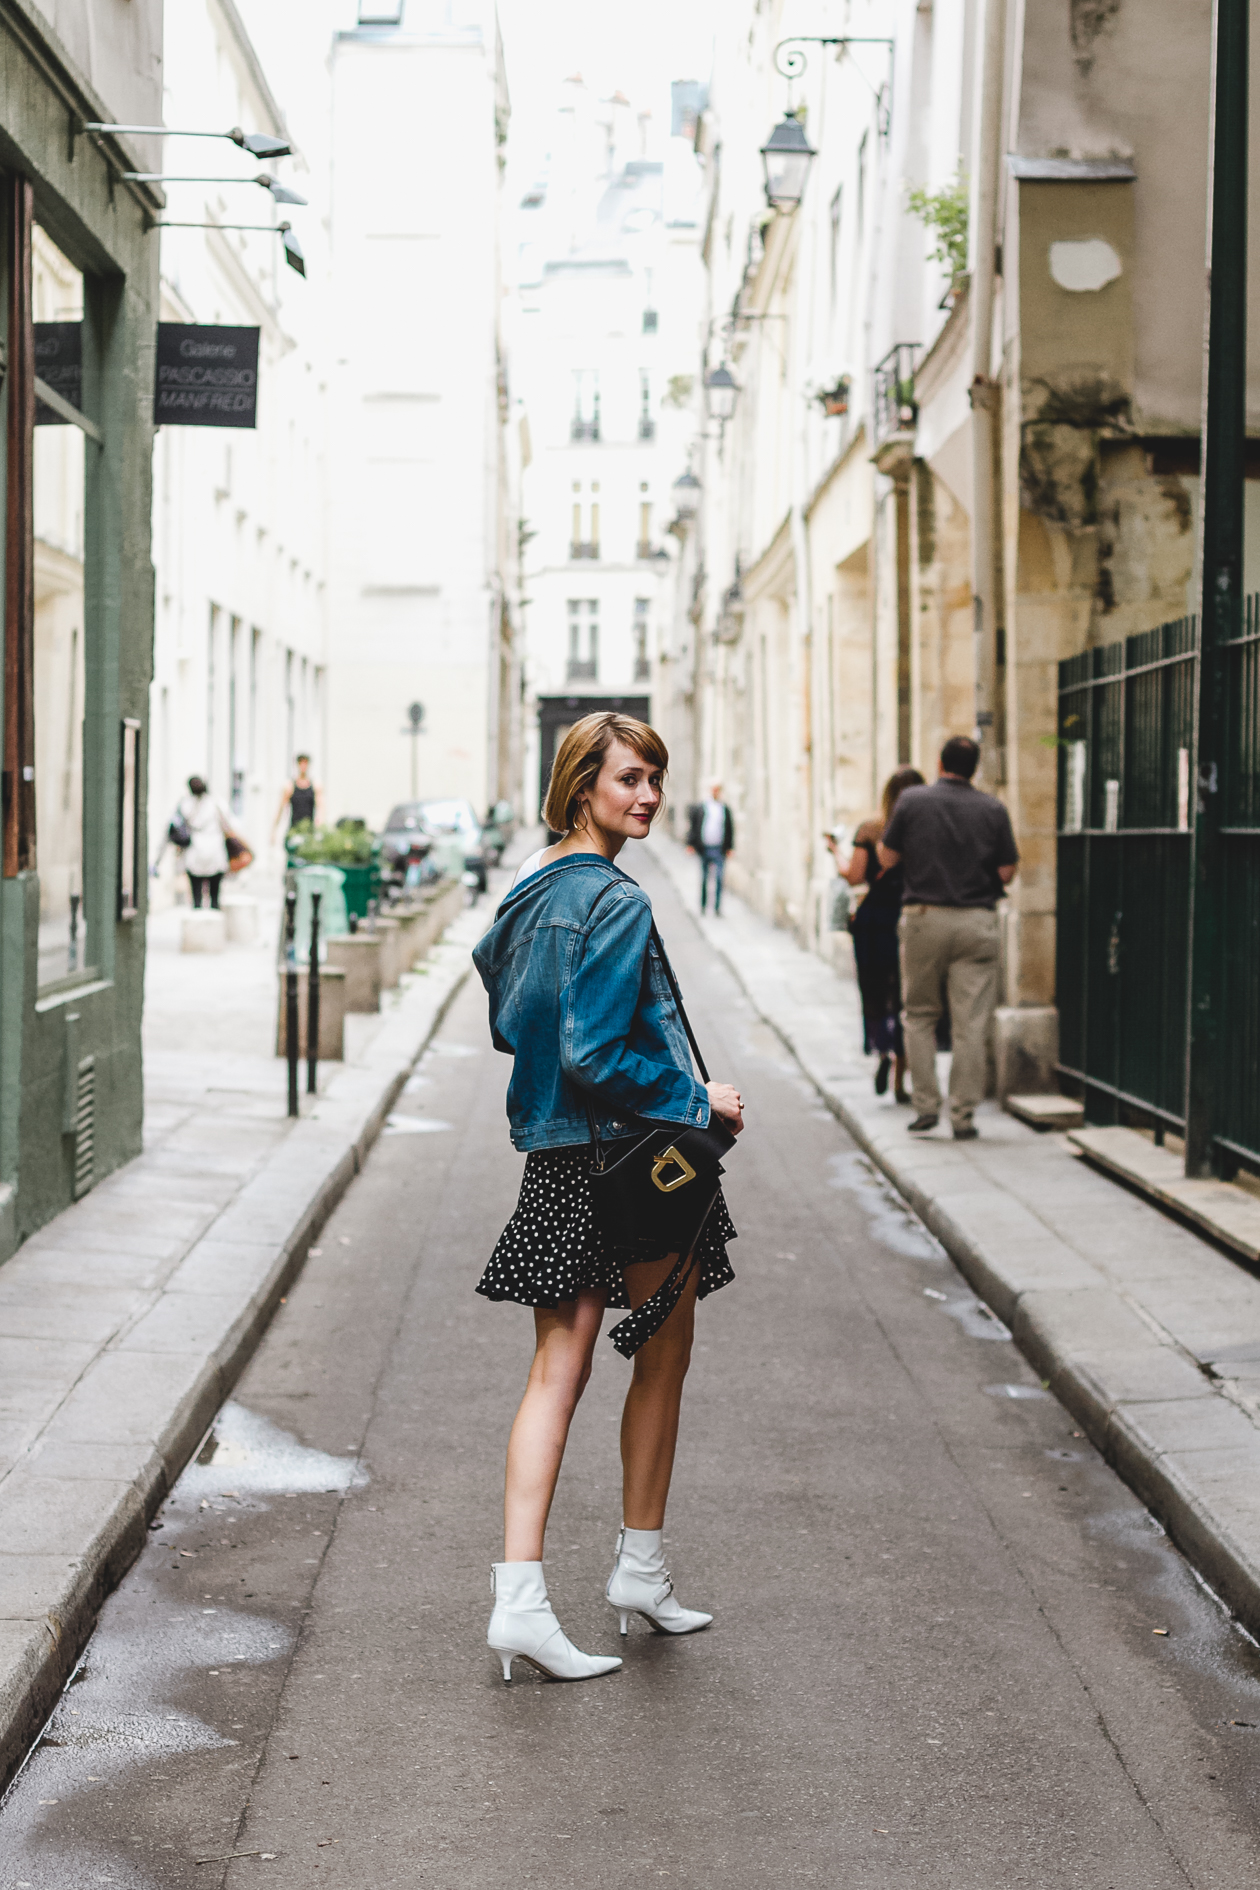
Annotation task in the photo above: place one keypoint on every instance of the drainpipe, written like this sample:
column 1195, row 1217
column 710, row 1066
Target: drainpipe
column 985, row 395
column 1221, row 622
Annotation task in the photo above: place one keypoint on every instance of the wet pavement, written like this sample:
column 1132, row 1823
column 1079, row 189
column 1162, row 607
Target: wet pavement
column 950, row 1648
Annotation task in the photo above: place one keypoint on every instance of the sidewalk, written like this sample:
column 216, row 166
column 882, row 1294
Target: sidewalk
column 125, row 1321
column 1149, row 1335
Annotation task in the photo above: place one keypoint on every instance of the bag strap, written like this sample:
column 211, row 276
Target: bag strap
column 677, row 996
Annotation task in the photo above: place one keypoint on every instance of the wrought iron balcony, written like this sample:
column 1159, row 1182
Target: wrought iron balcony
column 588, row 550
column 642, row 669
column 581, row 669
column 580, row 429
column 647, row 427
column 895, row 408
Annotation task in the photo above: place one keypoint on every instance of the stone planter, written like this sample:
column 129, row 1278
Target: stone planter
column 358, row 954
column 203, row 931
column 332, row 1014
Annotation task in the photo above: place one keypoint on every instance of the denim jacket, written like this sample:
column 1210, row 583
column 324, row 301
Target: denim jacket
column 583, row 1005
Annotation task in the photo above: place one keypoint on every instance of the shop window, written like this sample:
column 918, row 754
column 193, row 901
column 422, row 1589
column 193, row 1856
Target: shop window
column 68, row 928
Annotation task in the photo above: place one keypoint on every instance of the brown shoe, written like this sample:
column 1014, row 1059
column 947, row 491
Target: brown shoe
column 966, row 1132
column 922, row 1124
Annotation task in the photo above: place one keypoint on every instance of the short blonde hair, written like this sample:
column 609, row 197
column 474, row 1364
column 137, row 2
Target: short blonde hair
column 580, row 757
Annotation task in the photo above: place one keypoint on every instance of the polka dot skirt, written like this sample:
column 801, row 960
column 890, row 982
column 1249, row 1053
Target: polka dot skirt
column 550, row 1250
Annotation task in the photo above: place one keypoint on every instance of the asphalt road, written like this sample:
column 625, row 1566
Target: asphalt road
column 950, row 1648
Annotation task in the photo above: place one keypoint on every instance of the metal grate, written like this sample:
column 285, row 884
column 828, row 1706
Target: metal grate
column 85, row 1127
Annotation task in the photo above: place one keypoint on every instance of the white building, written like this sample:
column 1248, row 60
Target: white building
column 416, row 532
column 239, row 532
column 605, row 346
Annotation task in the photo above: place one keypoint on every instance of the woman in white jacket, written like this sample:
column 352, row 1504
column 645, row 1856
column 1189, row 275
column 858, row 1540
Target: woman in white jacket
column 205, row 859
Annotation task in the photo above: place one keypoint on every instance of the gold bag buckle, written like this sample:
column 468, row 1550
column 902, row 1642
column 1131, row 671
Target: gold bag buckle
column 663, row 1160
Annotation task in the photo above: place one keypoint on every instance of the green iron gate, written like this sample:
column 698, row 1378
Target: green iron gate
column 1126, row 734
column 1126, row 776
column 1236, row 1107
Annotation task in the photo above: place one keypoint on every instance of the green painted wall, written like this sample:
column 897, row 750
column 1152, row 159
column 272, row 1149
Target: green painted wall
column 107, row 233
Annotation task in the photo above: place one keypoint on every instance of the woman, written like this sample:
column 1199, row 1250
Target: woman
column 579, row 998
column 205, row 859
column 875, row 942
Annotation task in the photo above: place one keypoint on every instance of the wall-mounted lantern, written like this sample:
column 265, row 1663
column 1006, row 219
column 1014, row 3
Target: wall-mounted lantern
column 787, row 155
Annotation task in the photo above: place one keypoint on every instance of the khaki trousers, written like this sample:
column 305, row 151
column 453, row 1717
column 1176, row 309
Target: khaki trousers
column 948, row 950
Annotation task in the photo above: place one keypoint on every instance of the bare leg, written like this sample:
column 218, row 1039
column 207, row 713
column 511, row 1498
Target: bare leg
column 565, row 1342
column 649, row 1421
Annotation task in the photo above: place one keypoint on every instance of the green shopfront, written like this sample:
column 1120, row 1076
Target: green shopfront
column 78, row 309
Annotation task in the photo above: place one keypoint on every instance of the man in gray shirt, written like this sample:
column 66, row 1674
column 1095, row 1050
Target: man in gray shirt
column 958, row 855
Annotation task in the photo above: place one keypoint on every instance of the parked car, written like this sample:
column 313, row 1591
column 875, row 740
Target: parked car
column 496, row 833
column 406, row 845
column 456, row 820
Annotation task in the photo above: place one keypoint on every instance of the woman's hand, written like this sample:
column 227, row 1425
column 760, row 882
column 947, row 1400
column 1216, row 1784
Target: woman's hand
column 725, row 1101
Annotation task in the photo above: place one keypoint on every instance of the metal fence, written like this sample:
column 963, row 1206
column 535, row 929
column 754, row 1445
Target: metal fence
column 1126, row 736
column 1237, row 1089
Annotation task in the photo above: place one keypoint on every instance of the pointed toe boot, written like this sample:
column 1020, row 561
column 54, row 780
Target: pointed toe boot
column 524, row 1627
column 640, row 1584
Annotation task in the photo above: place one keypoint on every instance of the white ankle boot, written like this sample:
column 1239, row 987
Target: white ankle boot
column 523, row 1624
column 640, row 1584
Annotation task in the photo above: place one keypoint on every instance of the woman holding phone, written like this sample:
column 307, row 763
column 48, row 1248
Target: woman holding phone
column 876, row 945
column 580, row 999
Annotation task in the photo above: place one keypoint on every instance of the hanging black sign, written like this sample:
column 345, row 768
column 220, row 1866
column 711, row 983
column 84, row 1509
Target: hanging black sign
column 206, row 377
column 59, row 364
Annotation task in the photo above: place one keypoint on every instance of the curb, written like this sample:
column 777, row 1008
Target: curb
column 1056, row 1330
column 153, row 1395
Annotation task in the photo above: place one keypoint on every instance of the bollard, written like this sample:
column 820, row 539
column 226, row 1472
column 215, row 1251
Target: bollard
column 291, row 998
column 312, row 1003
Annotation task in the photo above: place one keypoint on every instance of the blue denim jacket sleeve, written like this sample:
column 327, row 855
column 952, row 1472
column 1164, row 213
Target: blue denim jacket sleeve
column 599, row 1007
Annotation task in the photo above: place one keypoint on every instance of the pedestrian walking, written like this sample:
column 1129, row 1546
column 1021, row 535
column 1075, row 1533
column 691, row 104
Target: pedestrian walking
column 582, row 998
column 209, row 827
column 301, row 797
column 958, row 855
column 711, row 835
column 876, row 945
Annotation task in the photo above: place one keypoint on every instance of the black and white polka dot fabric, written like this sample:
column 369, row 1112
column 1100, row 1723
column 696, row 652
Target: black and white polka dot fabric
column 550, row 1250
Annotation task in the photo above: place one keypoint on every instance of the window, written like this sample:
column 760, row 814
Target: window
column 836, row 211
column 583, row 663
column 212, row 644
column 642, row 666
column 236, row 731
column 54, row 774
column 644, row 547
column 255, row 661
column 651, row 321
column 585, row 423
column 585, row 544
column 647, row 425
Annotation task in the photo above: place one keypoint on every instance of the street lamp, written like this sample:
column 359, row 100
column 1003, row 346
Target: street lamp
column 280, row 192
column 722, row 391
column 787, row 155
column 257, row 143
column 292, row 248
column 686, row 492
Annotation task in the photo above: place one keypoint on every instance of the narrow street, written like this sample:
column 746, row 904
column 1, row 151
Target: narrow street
column 950, row 1648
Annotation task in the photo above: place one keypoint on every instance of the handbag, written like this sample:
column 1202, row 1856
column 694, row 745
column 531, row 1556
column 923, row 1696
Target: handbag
column 658, row 1189
column 178, row 835
column 239, row 855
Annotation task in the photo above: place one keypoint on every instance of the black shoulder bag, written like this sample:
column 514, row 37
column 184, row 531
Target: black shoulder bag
column 655, row 1192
